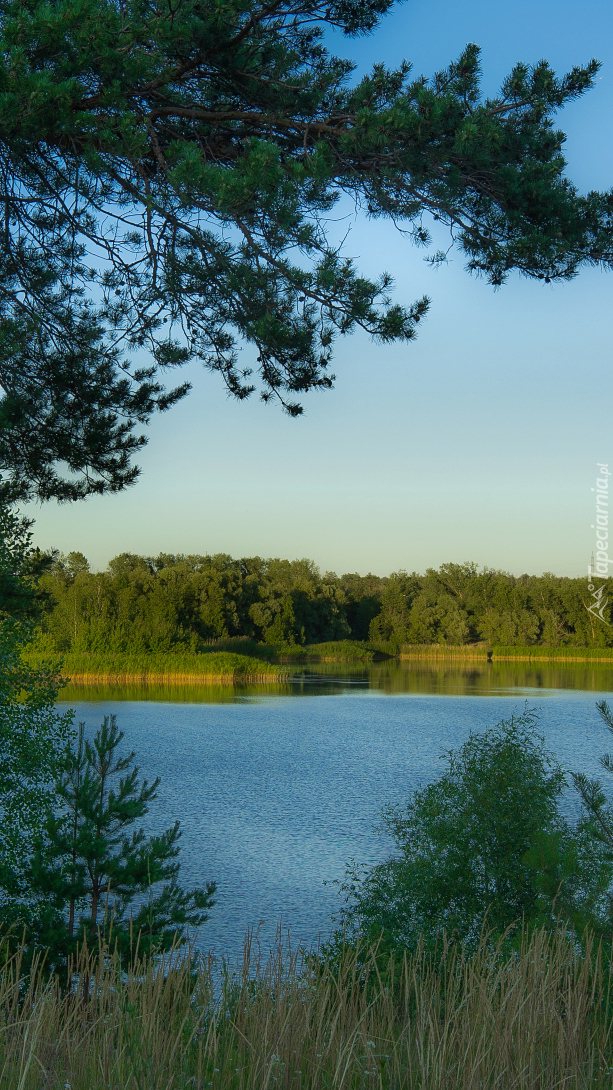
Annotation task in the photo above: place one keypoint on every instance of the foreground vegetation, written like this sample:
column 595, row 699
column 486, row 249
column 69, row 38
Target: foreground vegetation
column 186, row 603
column 540, row 1019
column 429, row 983
column 434, row 983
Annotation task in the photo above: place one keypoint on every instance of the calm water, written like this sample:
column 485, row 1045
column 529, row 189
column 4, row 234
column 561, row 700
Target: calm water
column 277, row 788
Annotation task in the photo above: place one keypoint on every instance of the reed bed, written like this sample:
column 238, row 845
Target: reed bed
column 215, row 666
column 333, row 651
column 540, row 1019
column 478, row 651
column 482, row 651
column 566, row 653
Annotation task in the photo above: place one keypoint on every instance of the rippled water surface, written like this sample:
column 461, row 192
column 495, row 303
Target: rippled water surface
column 276, row 788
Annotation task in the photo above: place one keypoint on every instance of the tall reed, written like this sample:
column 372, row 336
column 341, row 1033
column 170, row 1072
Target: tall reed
column 180, row 665
column 540, row 1019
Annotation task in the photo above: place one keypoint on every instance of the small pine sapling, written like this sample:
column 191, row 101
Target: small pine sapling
column 94, row 875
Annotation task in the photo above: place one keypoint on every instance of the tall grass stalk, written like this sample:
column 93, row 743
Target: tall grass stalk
column 539, row 1020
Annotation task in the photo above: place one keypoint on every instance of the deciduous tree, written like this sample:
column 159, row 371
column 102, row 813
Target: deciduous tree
column 482, row 847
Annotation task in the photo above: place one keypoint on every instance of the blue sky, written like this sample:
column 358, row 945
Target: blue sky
column 479, row 441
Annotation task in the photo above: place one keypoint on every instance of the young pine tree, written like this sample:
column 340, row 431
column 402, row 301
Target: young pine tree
column 95, row 875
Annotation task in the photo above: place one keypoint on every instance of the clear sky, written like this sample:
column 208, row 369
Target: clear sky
column 477, row 442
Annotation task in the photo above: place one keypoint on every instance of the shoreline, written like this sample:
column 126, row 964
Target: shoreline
column 509, row 654
column 235, row 670
column 562, row 659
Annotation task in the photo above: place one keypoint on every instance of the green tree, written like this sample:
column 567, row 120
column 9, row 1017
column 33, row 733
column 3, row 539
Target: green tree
column 482, row 846
column 32, row 733
column 392, row 621
column 515, row 626
column 599, row 813
column 89, row 868
column 184, row 602
column 362, row 601
column 166, row 175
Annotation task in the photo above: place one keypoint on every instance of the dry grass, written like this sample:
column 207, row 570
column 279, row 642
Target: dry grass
column 538, row 1021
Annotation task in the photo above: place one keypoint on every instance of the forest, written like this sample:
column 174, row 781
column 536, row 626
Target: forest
column 188, row 602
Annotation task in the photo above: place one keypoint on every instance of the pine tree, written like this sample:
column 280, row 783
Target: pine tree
column 96, row 878
column 166, row 176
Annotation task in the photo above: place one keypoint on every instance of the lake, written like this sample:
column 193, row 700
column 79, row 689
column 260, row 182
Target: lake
column 278, row 787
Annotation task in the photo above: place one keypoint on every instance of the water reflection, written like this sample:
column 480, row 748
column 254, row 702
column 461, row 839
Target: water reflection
column 417, row 676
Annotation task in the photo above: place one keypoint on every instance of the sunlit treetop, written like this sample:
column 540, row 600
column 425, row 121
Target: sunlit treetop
column 167, row 173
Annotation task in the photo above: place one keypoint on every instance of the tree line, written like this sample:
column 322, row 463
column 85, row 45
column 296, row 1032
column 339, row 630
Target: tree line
column 185, row 602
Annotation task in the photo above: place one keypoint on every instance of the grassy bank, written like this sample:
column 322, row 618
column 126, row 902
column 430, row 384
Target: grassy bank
column 223, row 663
column 558, row 654
column 477, row 651
column 227, row 660
column 332, row 651
column 218, row 666
column 526, row 653
column 539, row 1021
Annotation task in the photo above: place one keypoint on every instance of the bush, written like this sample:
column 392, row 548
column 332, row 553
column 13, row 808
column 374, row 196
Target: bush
column 483, row 847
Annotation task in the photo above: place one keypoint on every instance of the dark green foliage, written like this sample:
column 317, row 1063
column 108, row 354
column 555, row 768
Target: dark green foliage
column 176, row 664
column 393, row 621
column 17, row 588
column 483, row 847
column 459, row 604
column 179, row 603
column 182, row 603
column 165, row 176
column 69, row 866
column 32, row 733
column 362, row 601
column 599, row 812
column 94, row 877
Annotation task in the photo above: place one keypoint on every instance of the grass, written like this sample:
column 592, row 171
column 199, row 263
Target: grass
column 536, row 1022
column 518, row 653
column 238, row 659
column 444, row 651
column 565, row 652
column 218, row 665
column 244, row 660
column 331, row 651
